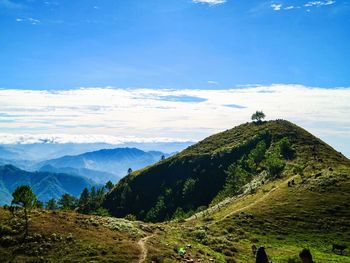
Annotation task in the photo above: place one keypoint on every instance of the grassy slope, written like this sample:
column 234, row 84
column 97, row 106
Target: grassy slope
column 206, row 162
column 93, row 239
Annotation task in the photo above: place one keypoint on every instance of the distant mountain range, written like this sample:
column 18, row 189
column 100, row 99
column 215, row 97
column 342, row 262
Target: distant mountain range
column 44, row 151
column 45, row 185
column 68, row 174
column 102, row 165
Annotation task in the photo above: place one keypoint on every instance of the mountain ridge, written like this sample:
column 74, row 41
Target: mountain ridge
column 45, row 185
column 111, row 164
column 204, row 164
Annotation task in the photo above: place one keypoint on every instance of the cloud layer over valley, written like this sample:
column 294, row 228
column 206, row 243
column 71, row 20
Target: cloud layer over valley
column 115, row 115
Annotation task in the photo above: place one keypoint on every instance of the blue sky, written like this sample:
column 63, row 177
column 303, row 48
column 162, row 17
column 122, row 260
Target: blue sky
column 171, row 70
column 64, row 44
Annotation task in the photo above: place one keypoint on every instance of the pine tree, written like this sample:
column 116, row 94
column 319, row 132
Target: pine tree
column 24, row 197
column 51, row 204
column 84, row 201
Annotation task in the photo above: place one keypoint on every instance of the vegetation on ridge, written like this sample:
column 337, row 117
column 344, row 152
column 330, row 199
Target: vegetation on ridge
column 198, row 175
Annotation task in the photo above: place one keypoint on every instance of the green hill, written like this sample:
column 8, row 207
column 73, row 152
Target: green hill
column 295, row 194
column 198, row 176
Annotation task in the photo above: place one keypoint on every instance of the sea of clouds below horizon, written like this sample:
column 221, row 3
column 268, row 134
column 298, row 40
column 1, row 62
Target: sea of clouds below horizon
column 116, row 116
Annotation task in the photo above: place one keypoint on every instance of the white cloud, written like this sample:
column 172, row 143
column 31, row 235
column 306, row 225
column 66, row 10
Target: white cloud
column 17, row 138
column 29, row 20
column 290, row 7
column 276, row 7
column 210, row 2
column 307, row 5
column 213, row 82
column 124, row 115
column 319, row 3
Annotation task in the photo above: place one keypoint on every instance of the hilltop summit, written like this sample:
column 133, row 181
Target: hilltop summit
column 197, row 176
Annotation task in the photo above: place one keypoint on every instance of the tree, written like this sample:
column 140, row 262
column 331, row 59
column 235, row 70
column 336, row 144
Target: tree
column 286, row 149
column 189, row 187
column 96, row 198
column 179, row 214
column 51, row 204
column 274, row 165
column 129, row 171
column 125, row 195
column 84, row 201
column 236, row 178
column 24, row 197
column 158, row 211
column 162, row 157
column 67, row 202
column 258, row 116
column 258, row 153
column 130, row 217
column 109, row 185
column 39, row 204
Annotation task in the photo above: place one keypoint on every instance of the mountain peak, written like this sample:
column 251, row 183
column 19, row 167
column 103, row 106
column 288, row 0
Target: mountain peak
column 202, row 168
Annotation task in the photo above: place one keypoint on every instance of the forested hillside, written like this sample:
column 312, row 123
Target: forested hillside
column 220, row 166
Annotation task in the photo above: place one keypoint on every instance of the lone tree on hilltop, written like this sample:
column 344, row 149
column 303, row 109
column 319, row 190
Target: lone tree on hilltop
column 129, row 171
column 258, row 116
column 23, row 196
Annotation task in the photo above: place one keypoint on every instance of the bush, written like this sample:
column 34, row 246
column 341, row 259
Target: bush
column 258, row 153
column 189, row 187
column 298, row 169
column 130, row 217
column 200, row 234
column 285, row 148
column 101, row 212
column 5, row 230
column 179, row 214
column 7, row 241
column 274, row 165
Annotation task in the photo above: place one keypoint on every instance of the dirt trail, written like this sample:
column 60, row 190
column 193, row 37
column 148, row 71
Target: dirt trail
column 144, row 250
column 232, row 199
column 255, row 202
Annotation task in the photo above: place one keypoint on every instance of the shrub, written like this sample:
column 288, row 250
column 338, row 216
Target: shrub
column 258, row 153
column 130, row 217
column 199, row 234
column 274, row 165
column 7, row 241
column 189, row 187
column 101, row 212
column 5, row 230
column 285, row 148
column 179, row 214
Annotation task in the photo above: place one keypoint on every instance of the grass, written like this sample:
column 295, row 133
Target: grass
column 55, row 227
column 281, row 218
column 286, row 221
